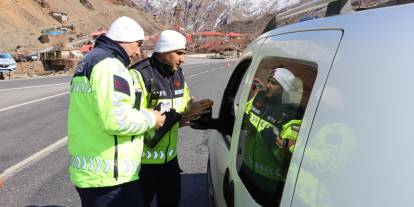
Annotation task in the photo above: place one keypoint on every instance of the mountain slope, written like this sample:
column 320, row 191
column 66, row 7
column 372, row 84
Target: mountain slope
column 21, row 21
column 200, row 15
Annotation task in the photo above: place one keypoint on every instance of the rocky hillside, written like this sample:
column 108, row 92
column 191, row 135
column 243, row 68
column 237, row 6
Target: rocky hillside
column 198, row 15
column 21, row 21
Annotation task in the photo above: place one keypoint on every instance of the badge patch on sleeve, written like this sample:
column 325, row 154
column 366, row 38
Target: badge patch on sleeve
column 121, row 85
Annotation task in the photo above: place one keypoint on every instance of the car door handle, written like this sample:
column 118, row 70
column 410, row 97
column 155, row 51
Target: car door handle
column 228, row 189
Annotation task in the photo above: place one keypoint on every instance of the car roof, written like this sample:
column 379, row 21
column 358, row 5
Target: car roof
column 383, row 17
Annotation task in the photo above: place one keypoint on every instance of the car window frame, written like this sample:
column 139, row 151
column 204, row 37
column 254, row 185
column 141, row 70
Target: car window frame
column 228, row 100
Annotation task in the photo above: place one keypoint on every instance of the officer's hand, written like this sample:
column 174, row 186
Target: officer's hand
column 159, row 118
column 197, row 107
column 280, row 142
column 186, row 117
column 296, row 128
column 284, row 143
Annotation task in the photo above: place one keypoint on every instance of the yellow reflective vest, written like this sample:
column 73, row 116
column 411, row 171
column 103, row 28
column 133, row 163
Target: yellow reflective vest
column 105, row 132
column 264, row 161
column 155, row 82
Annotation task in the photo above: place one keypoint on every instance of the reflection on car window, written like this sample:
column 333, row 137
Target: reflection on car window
column 276, row 103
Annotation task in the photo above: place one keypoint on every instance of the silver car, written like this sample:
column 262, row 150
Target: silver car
column 7, row 63
column 334, row 131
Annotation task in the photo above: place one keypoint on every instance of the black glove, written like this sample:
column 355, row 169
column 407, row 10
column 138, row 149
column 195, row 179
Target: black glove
column 171, row 118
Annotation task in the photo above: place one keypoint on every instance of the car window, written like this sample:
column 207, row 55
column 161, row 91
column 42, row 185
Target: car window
column 227, row 109
column 5, row 56
column 272, row 117
column 238, row 95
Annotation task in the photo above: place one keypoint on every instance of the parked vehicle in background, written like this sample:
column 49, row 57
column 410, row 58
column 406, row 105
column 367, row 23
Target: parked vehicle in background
column 32, row 57
column 20, row 57
column 216, row 56
column 7, row 63
column 352, row 143
column 60, row 59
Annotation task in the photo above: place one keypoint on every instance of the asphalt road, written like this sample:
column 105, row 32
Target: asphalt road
column 33, row 116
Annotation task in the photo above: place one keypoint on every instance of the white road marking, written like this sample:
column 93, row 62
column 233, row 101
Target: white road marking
column 35, row 78
column 34, row 101
column 10, row 89
column 197, row 74
column 11, row 171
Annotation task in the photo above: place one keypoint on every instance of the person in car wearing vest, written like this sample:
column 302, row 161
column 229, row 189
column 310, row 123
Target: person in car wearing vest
column 105, row 132
column 160, row 82
column 264, row 164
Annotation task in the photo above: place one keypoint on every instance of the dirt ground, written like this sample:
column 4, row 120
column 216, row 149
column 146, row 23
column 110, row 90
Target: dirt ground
column 21, row 22
column 34, row 69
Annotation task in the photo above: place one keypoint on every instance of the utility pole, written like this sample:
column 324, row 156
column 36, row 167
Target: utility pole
column 178, row 10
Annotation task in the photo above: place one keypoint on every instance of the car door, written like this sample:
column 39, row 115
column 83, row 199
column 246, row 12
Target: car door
column 219, row 141
column 264, row 160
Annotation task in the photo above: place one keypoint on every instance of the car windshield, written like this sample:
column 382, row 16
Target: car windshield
column 5, row 56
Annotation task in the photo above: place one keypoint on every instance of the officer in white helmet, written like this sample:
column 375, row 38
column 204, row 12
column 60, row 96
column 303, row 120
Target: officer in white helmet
column 105, row 133
column 160, row 83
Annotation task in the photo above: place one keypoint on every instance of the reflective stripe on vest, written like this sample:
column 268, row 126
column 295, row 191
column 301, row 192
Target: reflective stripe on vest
column 149, row 154
column 265, row 170
column 92, row 165
column 259, row 123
